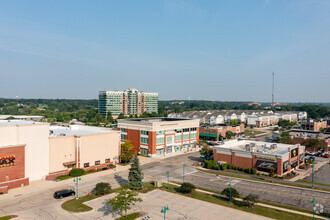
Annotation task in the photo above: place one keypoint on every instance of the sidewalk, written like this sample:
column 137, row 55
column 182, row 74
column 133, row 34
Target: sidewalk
column 305, row 173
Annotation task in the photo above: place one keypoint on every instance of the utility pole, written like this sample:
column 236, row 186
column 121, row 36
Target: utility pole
column 164, row 209
column 168, row 180
column 312, row 176
column 77, row 179
column 184, row 165
column 229, row 192
column 273, row 90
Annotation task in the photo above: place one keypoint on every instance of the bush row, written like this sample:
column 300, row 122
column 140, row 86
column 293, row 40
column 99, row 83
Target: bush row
column 211, row 164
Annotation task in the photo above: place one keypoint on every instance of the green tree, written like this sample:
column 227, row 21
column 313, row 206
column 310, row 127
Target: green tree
column 121, row 116
column 234, row 122
column 250, row 200
column 208, row 152
column 284, row 138
column 110, row 118
column 126, row 152
column 187, row 188
column 314, row 143
column 135, row 175
column 102, row 188
column 125, row 200
column 234, row 194
column 229, row 134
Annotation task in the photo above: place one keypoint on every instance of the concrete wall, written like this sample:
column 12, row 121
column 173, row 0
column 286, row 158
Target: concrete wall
column 61, row 150
column 35, row 137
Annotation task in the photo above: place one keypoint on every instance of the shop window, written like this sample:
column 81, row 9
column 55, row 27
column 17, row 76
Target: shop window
column 107, row 160
column 144, row 132
column 86, row 165
column 97, row 162
column 123, row 129
column 186, row 130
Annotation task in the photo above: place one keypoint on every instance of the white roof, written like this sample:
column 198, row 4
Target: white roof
column 77, row 130
column 18, row 122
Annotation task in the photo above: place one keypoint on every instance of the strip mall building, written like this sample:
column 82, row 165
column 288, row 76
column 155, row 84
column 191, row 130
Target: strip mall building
column 33, row 150
column 262, row 156
column 159, row 136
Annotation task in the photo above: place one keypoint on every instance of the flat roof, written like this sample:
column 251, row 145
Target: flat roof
column 150, row 120
column 2, row 117
column 18, row 122
column 257, row 147
column 78, row 130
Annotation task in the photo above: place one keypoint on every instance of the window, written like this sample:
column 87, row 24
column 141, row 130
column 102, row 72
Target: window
column 169, row 139
column 86, row 165
column 144, row 132
column 97, row 162
column 186, row 130
column 178, row 130
column 144, row 140
column 193, row 136
column 160, row 132
column 193, row 129
column 160, row 140
column 178, row 138
column 144, row 152
column 122, row 137
column 186, row 137
column 107, row 160
column 123, row 130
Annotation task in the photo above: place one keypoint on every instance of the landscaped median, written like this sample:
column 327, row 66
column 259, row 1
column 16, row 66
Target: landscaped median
column 213, row 197
column 247, row 177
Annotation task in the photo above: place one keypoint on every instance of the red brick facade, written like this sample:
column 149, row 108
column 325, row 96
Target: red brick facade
column 12, row 175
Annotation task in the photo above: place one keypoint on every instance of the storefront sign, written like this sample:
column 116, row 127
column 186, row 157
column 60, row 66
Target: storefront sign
column 266, row 164
column 286, row 165
column 301, row 157
column 267, row 158
column 294, row 152
column 7, row 161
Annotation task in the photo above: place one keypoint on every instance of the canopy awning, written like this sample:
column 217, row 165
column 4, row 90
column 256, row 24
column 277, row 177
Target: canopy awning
column 208, row 135
column 70, row 163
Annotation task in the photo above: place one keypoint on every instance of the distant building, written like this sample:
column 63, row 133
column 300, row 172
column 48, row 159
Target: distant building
column 218, row 132
column 22, row 117
column 159, row 136
column 262, row 156
column 129, row 102
column 314, row 125
column 254, row 103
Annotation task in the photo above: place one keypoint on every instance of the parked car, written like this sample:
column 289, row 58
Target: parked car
column 312, row 153
column 63, row 193
column 326, row 155
column 319, row 154
column 310, row 159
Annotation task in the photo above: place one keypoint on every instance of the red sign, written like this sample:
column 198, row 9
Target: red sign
column 7, row 161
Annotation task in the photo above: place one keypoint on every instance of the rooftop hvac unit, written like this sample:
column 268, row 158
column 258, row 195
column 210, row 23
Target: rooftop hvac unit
column 273, row 146
column 252, row 144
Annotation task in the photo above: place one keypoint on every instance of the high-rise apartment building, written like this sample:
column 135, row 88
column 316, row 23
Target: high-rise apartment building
column 129, row 102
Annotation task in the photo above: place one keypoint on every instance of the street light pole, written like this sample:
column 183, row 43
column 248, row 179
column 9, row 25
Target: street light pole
column 313, row 207
column 164, row 209
column 76, row 180
column 168, row 180
column 229, row 192
column 184, row 165
column 115, row 159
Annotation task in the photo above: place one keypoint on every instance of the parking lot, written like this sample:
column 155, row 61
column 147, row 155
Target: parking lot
column 322, row 175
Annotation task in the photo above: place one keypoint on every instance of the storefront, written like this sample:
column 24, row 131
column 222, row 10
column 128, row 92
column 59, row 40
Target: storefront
column 286, row 166
column 266, row 165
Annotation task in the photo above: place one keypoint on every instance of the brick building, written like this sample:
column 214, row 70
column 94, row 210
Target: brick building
column 314, row 125
column 262, row 156
column 218, row 132
column 159, row 136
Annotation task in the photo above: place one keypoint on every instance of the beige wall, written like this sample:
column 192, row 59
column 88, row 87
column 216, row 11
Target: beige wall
column 35, row 137
column 61, row 150
column 99, row 147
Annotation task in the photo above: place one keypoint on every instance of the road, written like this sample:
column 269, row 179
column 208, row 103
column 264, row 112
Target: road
column 41, row 205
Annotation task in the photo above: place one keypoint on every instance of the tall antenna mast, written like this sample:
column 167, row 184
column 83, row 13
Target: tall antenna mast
column 273, row 93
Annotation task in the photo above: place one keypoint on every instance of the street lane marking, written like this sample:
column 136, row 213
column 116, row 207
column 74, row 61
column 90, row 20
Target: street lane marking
column 186, row 174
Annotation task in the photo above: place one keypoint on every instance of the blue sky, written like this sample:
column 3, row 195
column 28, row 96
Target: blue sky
column 211, row 50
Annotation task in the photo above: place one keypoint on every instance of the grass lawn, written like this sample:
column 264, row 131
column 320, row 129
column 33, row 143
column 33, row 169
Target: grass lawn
column 262, row 180
column 249, row 132
column 64, row 177
column 5, row 217
column 132, row 216
column 310, row 182
column 259, row 210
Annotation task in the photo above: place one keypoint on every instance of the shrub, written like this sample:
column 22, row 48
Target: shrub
column 102, row 188
column 253, row 171
column 241, row 169
column 272, row 173
column 216, row 168
column 230, row 166
column 246, row 170
column 234, row 194
column 111, row 166
column 223, row 166
column 77, row 172
column 250, row 200
column 187, row 188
